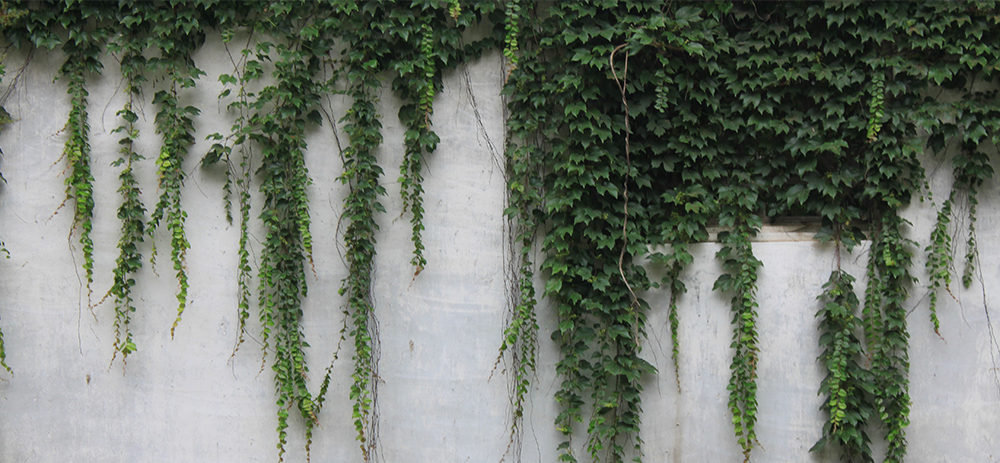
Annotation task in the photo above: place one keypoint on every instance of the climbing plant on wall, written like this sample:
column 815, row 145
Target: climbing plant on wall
column 178, row 30
column 633, row 127
column 130, row 47
column 276, row 119
column 416, row 43
column 82, row 50
column 738, row 112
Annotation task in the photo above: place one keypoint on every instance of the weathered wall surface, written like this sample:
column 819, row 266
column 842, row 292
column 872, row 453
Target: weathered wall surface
column 189, row 399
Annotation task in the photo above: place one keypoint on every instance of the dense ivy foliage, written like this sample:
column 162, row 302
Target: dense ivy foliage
column 633, row 127
column 734, row 113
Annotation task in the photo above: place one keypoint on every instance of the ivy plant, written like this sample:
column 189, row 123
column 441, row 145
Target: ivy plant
column 129, row 46
column 633, row 126
column 82, row 49
column 177, row 31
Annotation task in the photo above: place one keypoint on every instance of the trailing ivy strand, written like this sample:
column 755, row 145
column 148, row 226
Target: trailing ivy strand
column 83, row 49
column 382, row 37
column 178, row 30
column 741, row 279
column 362, row 172
column 236, row 151
column 129, row 46
column 848, row 384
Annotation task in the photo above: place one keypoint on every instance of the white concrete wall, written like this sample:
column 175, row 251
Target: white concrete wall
column 187, row 400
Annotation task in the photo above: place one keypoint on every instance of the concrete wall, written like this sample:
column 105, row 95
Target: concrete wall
column 187, row 399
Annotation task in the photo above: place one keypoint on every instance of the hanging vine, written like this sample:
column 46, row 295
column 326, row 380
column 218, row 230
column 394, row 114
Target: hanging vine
column 971, row 168
column 421, row 50
column 940, row 260
column 82, row 49
column 741, row 279
column 685, row 55
column 365, row 59
column 577, row 137
column 276, row 119
column 512, row 15
column 176, row 33
column 889, row 264
column 291, row 107
column 524, row 201
column 129, row 46
column 889, row 357
column 377, row 40
column 416, row 83
column 847, row 383
column 247, row 68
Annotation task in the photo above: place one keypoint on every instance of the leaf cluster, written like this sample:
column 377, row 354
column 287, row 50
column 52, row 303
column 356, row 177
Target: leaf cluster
column 129, row 46
column 848, row 386
column 178, row 29
column 82, row 49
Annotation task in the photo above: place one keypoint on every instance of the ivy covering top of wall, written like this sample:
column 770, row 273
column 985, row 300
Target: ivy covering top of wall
column 632, row 124
column 637, row 124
